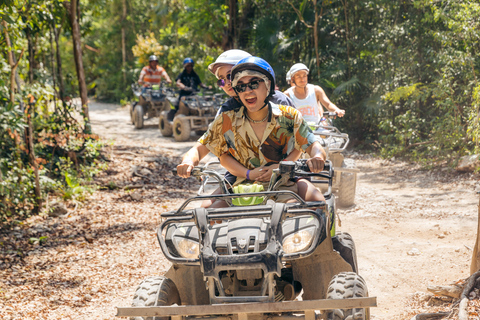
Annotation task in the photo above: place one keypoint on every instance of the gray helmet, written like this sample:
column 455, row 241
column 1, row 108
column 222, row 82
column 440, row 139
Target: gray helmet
column 153, row 58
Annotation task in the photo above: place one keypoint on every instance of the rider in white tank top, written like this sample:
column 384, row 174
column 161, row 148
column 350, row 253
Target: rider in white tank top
column 315, row 97
column 308, row 107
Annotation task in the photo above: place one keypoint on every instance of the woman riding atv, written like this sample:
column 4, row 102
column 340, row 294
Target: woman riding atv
column 222, row 68
column 252, row 140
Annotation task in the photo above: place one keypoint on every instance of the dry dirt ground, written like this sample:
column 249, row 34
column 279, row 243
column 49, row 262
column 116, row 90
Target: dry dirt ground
column 412, row 228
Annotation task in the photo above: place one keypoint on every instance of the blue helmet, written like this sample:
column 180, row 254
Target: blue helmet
column 255, row 64
column 188, row 60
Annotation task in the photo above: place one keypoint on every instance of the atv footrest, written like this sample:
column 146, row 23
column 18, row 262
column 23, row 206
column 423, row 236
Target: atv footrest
column 247, row 308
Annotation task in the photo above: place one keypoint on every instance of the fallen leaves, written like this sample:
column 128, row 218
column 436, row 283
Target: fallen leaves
column 79, row 265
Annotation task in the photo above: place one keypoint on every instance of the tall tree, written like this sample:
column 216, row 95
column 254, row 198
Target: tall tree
column 72, row 8
column 124, row 49
column 14, row 78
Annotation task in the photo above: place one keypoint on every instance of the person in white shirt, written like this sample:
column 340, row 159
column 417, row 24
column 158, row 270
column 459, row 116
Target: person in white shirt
column 309, row 98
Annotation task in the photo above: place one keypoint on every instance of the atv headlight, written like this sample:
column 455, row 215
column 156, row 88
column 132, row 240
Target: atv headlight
column 187, row 248
column 298, row 241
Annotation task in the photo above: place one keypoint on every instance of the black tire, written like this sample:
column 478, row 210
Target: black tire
column 138, row 113
column 199, row 132
column 347, row 186
column 181, row 128
column 164, row 125
column 155, row 291
column 343, row 286
column 343, row 243
column 131, row 107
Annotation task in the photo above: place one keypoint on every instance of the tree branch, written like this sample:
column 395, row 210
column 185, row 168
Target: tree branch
column 299, row 14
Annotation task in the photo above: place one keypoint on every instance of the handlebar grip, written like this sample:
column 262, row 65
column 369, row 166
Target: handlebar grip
column 329, row 114
column 303, row 166
column 196, row 171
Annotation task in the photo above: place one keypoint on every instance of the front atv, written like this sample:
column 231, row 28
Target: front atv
column 255, row 261
column 334, row 142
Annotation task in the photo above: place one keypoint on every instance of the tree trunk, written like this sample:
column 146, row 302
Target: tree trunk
column 33, row 162
column 229, row 42
column 475, row 265
column 71, row 7
column 31, row 56
column 347, row 36
column 315, row 36
column 124, row 50
column 11, row 62
column 245, row 24
column 61, row 86
column 52, row 59
column 14, row 78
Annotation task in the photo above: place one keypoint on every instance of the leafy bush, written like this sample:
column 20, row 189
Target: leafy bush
column 66, row 157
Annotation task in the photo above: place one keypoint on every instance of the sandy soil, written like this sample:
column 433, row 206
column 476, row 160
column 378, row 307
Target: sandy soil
column 412, row 228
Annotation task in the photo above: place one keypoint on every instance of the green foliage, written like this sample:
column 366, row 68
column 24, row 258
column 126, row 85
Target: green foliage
column 74, row 190
column 404, row 71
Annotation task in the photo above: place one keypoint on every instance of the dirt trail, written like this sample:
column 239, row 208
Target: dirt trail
column 412, row 228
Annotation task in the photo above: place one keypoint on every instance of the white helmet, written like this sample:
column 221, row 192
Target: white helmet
column 289, row 77
column 297, row 67
column 229, row 57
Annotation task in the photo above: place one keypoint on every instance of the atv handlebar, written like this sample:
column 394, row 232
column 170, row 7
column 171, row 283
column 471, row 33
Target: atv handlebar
column 293, row 168
column 286, row 171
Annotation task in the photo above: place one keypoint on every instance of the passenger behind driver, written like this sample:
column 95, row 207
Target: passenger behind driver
column 252, row 140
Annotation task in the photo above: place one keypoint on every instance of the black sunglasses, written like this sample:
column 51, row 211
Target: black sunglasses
column 221, row 82
column 252, row 85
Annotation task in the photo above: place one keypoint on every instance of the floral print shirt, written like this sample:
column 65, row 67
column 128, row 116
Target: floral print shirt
column 231, row 133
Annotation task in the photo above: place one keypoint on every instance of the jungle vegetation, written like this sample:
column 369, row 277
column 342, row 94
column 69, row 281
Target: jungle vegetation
column 404, row 71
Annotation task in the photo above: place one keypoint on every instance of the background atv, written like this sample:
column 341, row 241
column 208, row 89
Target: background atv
column 334, row 142
column 194, row 113
column 151, row 103
column 263, row 256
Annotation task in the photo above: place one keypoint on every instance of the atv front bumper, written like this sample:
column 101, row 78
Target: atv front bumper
column 286, row 309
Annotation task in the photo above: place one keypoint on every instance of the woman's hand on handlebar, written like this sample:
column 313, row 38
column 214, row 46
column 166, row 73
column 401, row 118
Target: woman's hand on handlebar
column 263, row 173
column 184, row 169
column 315, row 164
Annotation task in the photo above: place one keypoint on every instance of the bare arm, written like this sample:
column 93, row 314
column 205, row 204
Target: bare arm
column 191, row 159
column 323, row 99
column 165, row 75
column 180, row 85
column 317, row 157
column 140, row 79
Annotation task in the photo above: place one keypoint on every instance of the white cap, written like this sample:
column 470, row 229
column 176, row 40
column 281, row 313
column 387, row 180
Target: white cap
column 297, row 67
column 229, row 57
column 289, row 76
